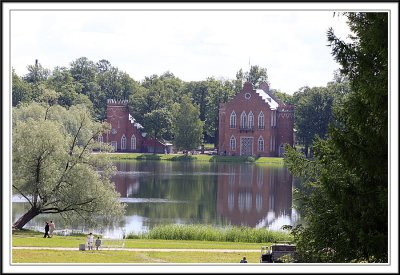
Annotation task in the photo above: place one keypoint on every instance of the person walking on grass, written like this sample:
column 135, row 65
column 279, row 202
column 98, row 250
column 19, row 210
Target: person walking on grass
column 52, row 226
column 46, row 231
column 90, row 241
column 98, row 243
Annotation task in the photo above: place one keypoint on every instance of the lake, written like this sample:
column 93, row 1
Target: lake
column 169, row 192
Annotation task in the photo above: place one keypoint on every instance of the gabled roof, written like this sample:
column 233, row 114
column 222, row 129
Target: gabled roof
column 135, row 124
column 268, row 99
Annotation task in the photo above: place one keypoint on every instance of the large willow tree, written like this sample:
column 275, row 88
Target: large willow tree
column 344, row 198
column 54, row 168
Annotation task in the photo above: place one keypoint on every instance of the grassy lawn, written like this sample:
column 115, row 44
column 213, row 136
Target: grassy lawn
column 72, row 241
column 54, row 256
column 35, row 239
column 208, row 158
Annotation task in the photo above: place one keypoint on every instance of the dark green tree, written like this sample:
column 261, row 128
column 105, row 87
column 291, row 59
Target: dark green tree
column 36, row 78
column 36, row 73
column 21, row 90
column 157, row 123
column 69, row 90
column 345, row 202
column 313, row 114
column 84, row 72
column 256, row 75
column 157, row 94
column 219, row 91
column 188, row 127
column 198, row 92
column 284, row 97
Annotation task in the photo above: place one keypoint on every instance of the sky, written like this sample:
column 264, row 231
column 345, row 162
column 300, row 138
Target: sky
column 193, row 45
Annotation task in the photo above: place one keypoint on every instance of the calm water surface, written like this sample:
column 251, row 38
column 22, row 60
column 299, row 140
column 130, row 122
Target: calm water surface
column 220, row 194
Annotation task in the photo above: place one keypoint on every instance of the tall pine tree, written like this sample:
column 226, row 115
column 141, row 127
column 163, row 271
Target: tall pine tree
column 344, row 199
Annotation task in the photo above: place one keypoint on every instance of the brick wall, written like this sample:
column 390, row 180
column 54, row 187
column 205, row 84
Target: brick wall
column 273, row 134
column 122, row 126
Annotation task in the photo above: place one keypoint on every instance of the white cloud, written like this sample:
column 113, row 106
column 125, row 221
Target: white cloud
column 193, row 45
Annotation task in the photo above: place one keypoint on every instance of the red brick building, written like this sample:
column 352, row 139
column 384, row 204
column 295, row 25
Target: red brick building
column 255, row 123
column 126, row 134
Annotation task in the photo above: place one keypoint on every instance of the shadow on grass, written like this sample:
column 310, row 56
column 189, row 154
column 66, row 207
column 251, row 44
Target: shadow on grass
column 149, row 157
column 183, row 158
column 231, row 159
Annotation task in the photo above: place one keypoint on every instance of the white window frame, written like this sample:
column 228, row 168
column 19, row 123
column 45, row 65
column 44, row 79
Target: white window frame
column 232, row 143
column 243, row 120
column 232, row 121
column 251, row 120
column 133, row 142
column 123, row 142
column 261, row 144
column 261, row 120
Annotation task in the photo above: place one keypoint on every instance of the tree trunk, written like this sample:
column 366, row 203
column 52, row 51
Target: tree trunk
column 33, row 212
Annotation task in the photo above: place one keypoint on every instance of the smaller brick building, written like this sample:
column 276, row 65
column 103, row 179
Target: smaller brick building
column 126, row 134
column 255, row 123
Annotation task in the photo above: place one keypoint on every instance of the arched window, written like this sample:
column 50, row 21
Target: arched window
column 123, row 143
column 233, row 120
column 243, row 120
column 273, row 118
column 260, row 144
column 261, row 122
column 251, row 120
column 100, row 139
column 133, row 142
column 232, row 143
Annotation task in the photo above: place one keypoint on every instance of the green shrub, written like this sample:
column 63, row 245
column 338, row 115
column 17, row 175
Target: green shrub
column 210, row 233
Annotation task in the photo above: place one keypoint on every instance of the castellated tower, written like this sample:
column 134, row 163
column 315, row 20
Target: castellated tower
column 126, row 133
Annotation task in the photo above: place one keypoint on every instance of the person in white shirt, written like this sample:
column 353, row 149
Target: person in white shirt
column 90, row 241
column 52, row 226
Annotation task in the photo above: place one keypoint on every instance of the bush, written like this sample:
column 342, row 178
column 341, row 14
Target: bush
column 210, row 233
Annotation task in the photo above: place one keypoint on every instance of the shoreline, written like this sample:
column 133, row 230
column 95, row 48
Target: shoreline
column 197, row 157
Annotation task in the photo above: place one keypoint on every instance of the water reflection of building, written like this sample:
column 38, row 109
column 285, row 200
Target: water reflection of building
column 252, row 195
column 126, row 180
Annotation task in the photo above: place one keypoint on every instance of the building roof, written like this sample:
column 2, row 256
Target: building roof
column 135, row 124
column 268, row 99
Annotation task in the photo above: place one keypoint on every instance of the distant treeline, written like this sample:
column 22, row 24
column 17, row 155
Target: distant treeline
column 90, row 83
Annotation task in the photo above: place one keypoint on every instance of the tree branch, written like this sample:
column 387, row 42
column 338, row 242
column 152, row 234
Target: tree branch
column 22, row 194
column 75, row 138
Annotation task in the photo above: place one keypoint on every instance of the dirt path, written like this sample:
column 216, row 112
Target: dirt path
column 144, row 249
